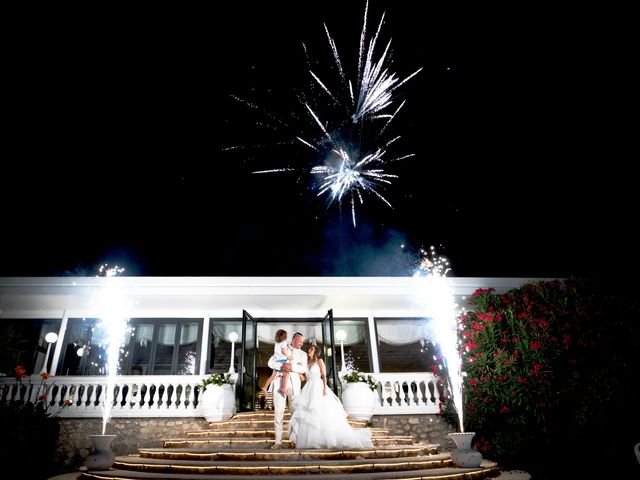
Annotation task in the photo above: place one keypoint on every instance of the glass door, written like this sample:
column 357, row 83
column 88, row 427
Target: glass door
column 247, row 381
column 329, row 352
column 258, row 337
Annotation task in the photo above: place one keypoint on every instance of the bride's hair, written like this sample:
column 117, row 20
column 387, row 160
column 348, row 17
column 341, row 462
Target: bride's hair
column 317, row 353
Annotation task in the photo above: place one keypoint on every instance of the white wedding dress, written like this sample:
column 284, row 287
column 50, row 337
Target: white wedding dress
column 319, row 421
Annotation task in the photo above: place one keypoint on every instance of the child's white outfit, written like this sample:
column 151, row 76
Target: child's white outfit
column 278, row 356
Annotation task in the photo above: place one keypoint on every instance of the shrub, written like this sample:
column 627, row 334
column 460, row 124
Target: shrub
column 537, row 360
column 30, row 430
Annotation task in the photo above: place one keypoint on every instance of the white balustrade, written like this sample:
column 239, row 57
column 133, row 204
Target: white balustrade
column 406, row 393
column 133, row 395
column 175, row 395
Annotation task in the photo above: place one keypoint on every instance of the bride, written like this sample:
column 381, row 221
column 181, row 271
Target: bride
column 319, row 419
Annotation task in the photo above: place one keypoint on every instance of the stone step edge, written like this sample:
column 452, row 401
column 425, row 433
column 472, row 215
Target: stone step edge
column 139, row 460
column 243, row 431
column 235, row 421
column 241, row 427
column 265, row 442
column 446, row 473
column 266, row 434
column 261, row 455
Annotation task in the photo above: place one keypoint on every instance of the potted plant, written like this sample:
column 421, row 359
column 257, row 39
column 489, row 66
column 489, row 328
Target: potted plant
column 358, row 398
column 218, row 397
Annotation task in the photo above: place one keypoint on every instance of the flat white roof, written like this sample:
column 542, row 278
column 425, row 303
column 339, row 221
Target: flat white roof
column 226, row 297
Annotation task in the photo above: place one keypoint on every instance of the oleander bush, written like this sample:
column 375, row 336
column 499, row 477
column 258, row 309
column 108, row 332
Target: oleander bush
column 550, row 368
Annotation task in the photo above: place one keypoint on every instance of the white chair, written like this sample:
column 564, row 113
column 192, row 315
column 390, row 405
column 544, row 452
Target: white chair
column 637, row 450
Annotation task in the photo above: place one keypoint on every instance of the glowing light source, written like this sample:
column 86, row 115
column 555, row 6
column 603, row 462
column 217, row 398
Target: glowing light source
column 432, row 277
column 50, row 338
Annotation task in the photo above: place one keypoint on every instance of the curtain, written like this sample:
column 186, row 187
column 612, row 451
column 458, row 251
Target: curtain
column 403, row 331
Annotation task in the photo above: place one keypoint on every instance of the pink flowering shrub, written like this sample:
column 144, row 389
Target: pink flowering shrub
column 535, row 360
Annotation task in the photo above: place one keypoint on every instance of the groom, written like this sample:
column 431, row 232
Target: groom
column 298, row 365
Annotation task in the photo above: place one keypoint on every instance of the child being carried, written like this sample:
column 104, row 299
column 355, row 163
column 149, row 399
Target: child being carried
column 282, row 353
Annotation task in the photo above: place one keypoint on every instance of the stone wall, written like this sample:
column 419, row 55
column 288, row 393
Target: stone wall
column 423, row 428
column 132, row 433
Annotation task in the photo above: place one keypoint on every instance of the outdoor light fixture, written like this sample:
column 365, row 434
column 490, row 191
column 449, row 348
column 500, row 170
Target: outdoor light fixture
column 50, row 338
column 233, row 337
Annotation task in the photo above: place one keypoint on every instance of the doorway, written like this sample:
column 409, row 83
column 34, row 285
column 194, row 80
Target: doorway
column 258, row 339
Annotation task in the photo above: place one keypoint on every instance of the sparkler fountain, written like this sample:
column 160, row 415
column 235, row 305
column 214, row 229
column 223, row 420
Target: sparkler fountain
column 114, row 321
column 432, row 273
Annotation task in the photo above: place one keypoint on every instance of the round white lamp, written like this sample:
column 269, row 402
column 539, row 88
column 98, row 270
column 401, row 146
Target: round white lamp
column 50, row 338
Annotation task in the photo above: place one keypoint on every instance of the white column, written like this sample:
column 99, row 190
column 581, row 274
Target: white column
column 373, row 341
column 233, row 337
column 57, row 351
column 51, row 337
column 204, row 345
column 341, row 336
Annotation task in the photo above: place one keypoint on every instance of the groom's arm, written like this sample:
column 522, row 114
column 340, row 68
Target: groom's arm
column 299, row 364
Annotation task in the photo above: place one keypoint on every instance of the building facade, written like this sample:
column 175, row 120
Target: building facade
column 160, row 336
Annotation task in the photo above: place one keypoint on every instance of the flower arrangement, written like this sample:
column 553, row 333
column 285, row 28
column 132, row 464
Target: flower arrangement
column 356, row 377
column 218, row 379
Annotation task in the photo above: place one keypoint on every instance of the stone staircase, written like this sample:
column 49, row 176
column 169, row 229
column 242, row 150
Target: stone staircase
column 239, row 448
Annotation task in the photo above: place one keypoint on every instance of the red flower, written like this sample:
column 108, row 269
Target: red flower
column 20, row 372
column 535, row 345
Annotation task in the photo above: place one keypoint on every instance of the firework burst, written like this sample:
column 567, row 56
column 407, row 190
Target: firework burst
column 105, row 271
column 431, row 263
column 349, row 163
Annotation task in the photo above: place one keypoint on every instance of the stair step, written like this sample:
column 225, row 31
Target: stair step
column 262, row 442
column 270, row 455
column 444, row 473
column 257, row 432
column 222, row 442
column 233, row 433
column 239, row 448
column 301, row 466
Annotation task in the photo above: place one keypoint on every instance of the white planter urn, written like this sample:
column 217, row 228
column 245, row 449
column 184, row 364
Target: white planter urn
column 464, row 455
column 218, row 402
column 358, row 400
column 102, row 457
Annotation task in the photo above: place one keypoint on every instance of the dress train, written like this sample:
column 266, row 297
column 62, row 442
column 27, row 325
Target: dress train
column 320, row 421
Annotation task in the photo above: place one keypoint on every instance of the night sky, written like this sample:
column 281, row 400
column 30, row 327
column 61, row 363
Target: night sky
column 130, row 138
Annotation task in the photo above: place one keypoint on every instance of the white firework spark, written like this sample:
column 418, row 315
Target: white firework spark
column 105, row 271
column 352, row 177
column 351, row 166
